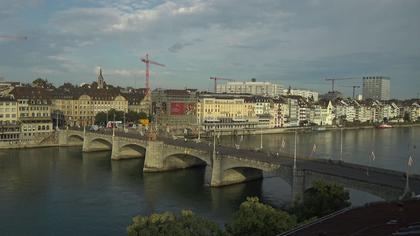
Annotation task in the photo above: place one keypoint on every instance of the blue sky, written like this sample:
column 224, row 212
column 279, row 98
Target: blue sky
column 297, row 43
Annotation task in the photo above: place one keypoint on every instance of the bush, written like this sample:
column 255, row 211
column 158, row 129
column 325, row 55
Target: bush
column 186, row 224
column 256, row 218
column 320, row 200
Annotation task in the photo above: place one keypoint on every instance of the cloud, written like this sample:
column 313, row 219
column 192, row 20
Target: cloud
column 120, row 72
column 283, row 41
column 180, row 45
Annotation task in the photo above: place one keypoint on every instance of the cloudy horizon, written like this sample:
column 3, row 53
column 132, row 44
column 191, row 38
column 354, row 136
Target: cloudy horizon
column 296, row 43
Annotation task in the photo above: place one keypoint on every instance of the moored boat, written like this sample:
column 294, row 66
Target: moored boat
column 384, row 126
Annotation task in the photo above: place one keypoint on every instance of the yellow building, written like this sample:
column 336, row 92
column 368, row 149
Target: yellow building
column 225, row 112
column 33, row 111
column 81, row 105
column 9, row 126
column 8, row 110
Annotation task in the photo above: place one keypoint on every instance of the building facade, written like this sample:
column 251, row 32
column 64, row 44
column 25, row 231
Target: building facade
column 9, row 125
column 376, row 87
column 175, row 110
column 250, row 87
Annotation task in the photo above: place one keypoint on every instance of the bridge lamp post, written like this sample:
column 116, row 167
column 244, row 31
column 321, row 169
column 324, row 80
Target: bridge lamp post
column 261, row 138
column 295, row 151
column 341, row 144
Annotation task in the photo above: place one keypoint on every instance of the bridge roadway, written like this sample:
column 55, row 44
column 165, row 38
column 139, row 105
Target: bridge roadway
column 381, row 182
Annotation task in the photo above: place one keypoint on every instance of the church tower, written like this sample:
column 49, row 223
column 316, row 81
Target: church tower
column 100, row 80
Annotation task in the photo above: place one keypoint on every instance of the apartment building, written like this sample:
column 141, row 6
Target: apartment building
column 34, row 111
column 9, row 125
column 322, row 113
column 81, row 105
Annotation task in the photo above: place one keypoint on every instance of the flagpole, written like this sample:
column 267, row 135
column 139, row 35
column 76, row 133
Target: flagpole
column 214, row 143
column 407, row 184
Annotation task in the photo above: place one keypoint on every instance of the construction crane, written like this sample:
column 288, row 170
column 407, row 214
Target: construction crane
column 218, row 78
column 333, row 81
column 13, row 37
column 146, row 61
column 354, row 89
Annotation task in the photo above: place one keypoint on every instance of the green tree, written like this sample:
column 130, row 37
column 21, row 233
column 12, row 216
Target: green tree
column 132, row 116
column 186, row 224
column 119, row 115
column 42, row 83
column 407, row 117
column 320, row 200
column 100, row 118
column 256, row 218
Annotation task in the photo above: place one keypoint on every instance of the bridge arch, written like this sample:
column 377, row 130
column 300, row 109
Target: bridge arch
column 184, row 160
column 100, row 144
column 384, row 192
column 75, row 139
column 132, row 150
column 241, row 174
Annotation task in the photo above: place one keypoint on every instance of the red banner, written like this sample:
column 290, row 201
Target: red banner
column 177, row 108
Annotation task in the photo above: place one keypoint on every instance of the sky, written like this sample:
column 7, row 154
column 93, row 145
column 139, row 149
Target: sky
column 293, row 43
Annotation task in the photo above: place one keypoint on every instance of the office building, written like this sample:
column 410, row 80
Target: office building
column 376, row 87
column 250, row 87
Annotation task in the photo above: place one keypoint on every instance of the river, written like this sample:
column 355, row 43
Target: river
column 62, row 191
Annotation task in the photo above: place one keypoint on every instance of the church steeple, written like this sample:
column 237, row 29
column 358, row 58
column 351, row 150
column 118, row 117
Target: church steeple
column 100, row 80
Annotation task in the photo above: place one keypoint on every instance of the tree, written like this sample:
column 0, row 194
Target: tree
column 67, row 86
column 320, row 200
column 42, row 83
column 256, row 218
column 132, row 116
column 186, row 224
column 119, row 115
column 101, row 118
column 407, row 117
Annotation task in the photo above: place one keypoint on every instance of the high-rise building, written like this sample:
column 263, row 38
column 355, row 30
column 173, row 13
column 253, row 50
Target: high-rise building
column 376, row 87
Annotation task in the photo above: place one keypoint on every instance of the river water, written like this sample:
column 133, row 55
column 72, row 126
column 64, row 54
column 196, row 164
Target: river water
column 62, row 191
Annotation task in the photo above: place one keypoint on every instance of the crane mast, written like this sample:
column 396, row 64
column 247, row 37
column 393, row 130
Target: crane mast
column 147, row 61
column 216, row 79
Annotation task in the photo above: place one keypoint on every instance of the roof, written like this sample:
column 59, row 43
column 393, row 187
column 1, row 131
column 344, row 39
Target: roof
column 383, row 218
column 31, row 93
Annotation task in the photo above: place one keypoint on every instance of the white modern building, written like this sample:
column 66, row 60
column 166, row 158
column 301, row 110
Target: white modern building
column 251, row 87
column 376, row 87
column 308, row 94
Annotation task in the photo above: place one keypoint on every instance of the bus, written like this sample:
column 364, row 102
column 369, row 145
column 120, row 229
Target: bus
column 114, row 124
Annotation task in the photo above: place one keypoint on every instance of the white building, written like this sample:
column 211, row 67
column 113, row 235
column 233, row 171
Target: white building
column 322, row 114
column 251, row 87
column 308, row 94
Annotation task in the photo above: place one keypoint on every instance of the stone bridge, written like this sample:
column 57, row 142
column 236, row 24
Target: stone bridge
column 230, row 166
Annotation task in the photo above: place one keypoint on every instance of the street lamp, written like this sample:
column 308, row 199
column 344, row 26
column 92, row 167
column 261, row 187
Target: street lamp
column 341, row 144
column 295, row 152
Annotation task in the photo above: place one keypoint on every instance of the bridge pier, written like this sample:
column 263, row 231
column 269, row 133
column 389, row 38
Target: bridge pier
column 62, row 138
column 153, row 161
